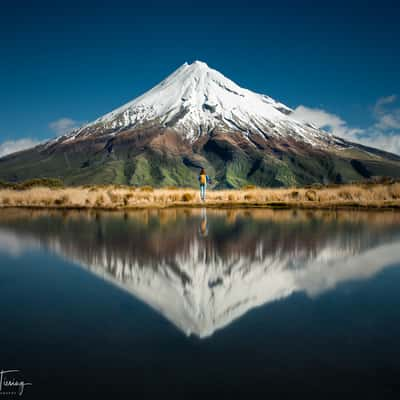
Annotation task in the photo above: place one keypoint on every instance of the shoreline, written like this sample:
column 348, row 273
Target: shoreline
column 268, row 206
column 114, row 197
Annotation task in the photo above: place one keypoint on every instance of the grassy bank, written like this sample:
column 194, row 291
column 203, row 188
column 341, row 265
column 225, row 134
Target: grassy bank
column 125, row 197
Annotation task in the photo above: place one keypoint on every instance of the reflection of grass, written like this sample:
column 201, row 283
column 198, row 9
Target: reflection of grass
column 118, row 196
column 171, row 215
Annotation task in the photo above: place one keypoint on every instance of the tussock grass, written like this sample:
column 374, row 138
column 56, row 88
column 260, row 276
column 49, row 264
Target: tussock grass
column 118, row 196
column 188, row 197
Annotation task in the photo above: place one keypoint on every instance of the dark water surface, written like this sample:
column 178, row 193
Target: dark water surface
column 180, row 303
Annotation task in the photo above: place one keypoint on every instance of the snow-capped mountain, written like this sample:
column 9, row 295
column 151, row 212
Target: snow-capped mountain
column 194, row 118
column 195, row 99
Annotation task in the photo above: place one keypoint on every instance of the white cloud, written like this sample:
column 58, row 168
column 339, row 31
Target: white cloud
column 384, row 133
column 59, row 127
column 324, row 120
column 12, row 146
column 389, row 143
column 63, row 125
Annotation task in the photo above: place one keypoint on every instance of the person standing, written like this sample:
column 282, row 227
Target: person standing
column 203, row 180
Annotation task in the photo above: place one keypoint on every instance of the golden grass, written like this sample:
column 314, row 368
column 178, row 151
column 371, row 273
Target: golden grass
column 124, row 197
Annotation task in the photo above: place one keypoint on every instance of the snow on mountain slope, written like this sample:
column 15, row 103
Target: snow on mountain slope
column 196, row 99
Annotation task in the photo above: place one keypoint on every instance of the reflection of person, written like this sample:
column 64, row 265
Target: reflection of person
column 203, row 227
column 203, row 180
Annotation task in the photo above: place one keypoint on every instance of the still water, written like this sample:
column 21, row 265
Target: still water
column 208, row 302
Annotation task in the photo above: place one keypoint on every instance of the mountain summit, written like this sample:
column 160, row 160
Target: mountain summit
column 194, row 118
column 195, row 99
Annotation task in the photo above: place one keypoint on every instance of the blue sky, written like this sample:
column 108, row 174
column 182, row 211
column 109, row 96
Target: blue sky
column 64, row 63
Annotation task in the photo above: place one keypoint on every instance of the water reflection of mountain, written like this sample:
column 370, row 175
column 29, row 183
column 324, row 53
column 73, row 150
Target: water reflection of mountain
column 203, row 283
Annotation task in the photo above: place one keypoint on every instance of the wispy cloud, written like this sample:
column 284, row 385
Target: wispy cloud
column 387, row 116
column 12, row 146
column 59, row 127
column 384, row 133
column 63, row 125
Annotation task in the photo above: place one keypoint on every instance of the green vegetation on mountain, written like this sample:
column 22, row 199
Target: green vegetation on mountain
column 230, row 164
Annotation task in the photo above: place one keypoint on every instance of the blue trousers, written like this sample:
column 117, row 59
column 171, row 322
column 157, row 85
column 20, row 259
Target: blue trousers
column 202, row 191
